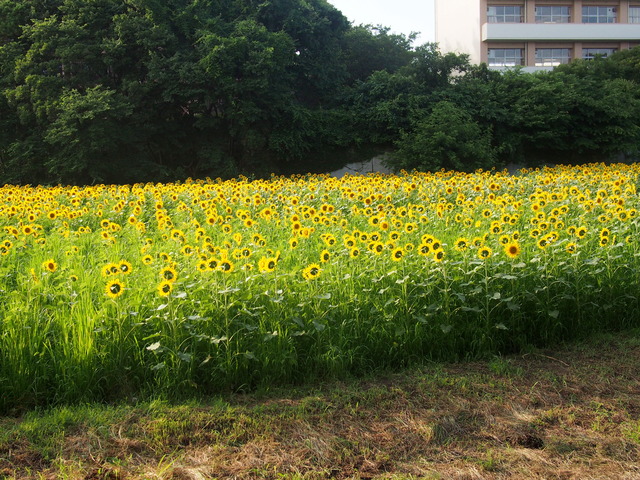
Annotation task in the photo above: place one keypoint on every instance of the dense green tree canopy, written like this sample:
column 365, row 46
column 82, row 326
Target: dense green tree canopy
column 587, row 111
column 447, row 138
column 127, row 90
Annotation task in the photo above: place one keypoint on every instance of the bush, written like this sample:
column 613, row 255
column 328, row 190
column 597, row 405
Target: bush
column 448, row 138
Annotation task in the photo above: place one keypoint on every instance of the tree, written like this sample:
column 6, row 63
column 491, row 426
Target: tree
column 249, row 70
column 488, row 97
column 550, row 117
column 164, row 89
column 369, row 49
column 434, row 70
column 563, row 118
column 381, row 106
column 447, row 138
column 317, row 29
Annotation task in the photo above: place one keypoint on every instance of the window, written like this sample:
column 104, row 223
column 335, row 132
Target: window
column 505, row 57
column 504, row 14
column 591, row 53
column 551, row 57
column 634, row 14
column 553, row 15
column 598, row 14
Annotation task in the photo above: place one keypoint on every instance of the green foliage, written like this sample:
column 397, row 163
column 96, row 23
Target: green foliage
column 381, row 106
column 432, row 69
column 447, row 138
column 89, row 128
column 623, row 64
column 564, row 118
column 113, row 91
column 249, row 70
column 370, row 49
column 569, row 115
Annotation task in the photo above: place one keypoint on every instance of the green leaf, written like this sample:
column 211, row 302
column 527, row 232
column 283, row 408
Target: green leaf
column 319, row 326
column 471, row 309
column 446, row 328
column 267, row 337
column 421, row 319
column 185, row 357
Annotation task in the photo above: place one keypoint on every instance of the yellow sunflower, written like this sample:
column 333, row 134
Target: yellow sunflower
column 125, row 267
column 169, row 274
column 484, row 252
column 267, row 264
column 164, row 288
column 311, row 272
column 461, row 244
column 424, row 249
column 50, row 265
column 512, row 249
column 114, row 288
column 397, row 254
column 226, row 266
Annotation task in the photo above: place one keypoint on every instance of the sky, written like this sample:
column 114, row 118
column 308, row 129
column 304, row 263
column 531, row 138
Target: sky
column 401, row 16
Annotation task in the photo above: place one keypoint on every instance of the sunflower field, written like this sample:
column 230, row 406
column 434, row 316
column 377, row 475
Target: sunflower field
column 113, row 292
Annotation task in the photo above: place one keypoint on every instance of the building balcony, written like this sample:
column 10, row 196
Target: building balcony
column 575, row 32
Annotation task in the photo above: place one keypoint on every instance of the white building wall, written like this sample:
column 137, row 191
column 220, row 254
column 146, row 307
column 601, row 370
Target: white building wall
column 458, row 27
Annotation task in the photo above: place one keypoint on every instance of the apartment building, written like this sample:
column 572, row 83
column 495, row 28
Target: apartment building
column 537, row 34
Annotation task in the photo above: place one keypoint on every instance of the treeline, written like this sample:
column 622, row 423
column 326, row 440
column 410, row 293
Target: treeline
column 116, row 91
column 586, row 111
